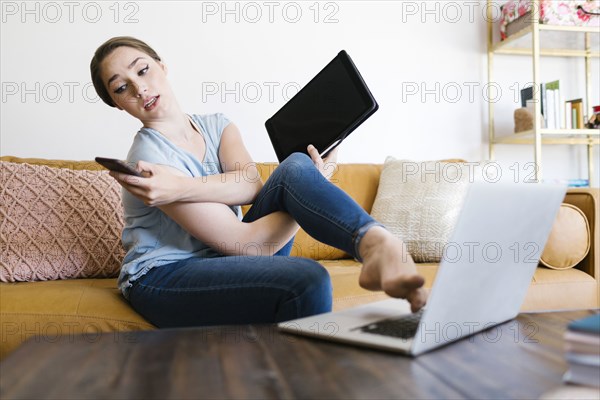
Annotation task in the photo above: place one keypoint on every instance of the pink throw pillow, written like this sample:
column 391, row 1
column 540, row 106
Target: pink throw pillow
column 58, row 223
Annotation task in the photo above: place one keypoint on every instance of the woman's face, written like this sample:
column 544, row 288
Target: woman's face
column 137, row 83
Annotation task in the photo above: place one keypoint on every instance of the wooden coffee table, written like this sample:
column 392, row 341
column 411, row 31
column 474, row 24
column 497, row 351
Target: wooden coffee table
column 523, row 358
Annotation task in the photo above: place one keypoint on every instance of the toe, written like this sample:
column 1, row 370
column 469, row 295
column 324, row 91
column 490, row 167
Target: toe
column 417, row 299
column 403, row 285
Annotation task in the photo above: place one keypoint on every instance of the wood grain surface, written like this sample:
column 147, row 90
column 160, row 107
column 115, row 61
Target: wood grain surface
column 523, row 358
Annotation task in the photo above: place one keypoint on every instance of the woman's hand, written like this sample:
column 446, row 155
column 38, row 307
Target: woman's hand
column 160, row 185
column 326, row 166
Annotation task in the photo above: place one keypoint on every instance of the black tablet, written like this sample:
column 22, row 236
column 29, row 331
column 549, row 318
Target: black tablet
column 324, row 112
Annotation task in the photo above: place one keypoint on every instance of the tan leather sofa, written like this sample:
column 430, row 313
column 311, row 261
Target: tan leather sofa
column 89, row 306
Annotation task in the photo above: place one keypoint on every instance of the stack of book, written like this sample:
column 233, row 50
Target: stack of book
column 556, row 112
column 582, row 344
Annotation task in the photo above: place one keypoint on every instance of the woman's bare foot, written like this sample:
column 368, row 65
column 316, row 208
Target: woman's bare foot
column 387, row 266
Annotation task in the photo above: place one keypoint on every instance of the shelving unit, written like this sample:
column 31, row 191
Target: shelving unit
column 574, row 41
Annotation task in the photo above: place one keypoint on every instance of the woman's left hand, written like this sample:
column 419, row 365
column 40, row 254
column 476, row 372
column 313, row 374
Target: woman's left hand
column 326, row 166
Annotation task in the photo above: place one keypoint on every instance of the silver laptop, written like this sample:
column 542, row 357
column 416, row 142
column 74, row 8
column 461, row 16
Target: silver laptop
column 482, row 279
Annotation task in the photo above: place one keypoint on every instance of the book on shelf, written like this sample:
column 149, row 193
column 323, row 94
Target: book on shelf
column 575, row 110
column 544, row 104
column 554, row 109
column 582, row 346
column 527, row 95
column 528, row 102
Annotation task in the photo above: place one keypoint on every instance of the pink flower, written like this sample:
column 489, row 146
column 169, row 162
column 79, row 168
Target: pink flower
column 509, row 8
column 523, row 8
column 582, row 16
column 563, row 9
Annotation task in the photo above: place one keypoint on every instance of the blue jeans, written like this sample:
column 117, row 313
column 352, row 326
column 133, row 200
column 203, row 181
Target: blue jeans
column 260, row 289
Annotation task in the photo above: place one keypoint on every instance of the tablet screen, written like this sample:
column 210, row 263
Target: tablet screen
column 326, row 110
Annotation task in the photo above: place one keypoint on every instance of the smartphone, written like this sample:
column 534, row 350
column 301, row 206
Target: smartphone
column 118, row 166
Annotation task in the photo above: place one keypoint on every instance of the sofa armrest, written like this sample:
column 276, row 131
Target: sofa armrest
column 587, row 200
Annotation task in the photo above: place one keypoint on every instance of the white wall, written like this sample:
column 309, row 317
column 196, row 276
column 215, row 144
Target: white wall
column 50, row 110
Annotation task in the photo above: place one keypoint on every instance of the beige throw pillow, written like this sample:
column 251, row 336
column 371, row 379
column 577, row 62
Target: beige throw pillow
column 419, row 201
column 57, row 223
column 569, row 240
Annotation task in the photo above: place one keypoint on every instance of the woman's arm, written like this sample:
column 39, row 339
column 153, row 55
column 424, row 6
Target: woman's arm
column 217, row 226
column 238, row 184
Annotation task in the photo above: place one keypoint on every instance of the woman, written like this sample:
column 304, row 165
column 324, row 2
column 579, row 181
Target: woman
column 191, row 259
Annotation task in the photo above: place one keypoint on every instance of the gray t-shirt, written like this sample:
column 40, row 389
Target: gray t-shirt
column 150, row 237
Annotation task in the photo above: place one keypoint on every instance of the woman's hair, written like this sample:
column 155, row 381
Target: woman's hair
column 103, row 51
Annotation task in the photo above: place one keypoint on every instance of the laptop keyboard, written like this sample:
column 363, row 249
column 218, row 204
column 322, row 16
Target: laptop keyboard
column 404, row 327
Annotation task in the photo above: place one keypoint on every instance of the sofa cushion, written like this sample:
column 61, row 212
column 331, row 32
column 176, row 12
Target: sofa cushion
column 420, row 202
column 69, row 164
column 569, row 240
column 64, row 307
column 561, row 290
column 58, row 223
